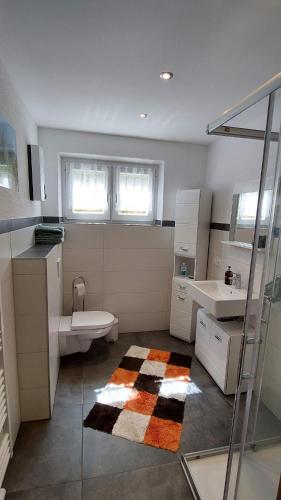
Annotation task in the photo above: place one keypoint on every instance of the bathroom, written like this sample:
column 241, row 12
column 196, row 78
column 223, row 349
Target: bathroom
column 91, row 290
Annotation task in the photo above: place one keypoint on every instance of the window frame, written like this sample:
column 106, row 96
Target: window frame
column 111, row 162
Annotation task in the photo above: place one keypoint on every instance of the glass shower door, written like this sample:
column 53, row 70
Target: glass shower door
column 255, row 465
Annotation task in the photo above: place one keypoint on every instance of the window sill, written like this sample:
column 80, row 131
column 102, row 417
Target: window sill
column 111, row 223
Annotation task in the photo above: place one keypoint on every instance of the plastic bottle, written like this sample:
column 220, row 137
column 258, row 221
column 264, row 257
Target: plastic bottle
column 228, row 276
column 183, row 269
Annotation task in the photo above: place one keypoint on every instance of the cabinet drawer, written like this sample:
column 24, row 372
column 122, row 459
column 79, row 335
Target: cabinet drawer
column 185, row 249
column 181, row 301
column 187, row 213
column 181, row 319
column 219, row 341
column 181, row 333
column 180, row 285
column 203, row 338
column 186, row 233
column 204, row 320
column 188, row 196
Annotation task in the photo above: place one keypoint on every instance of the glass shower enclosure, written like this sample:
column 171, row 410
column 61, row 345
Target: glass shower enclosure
column 250, row 468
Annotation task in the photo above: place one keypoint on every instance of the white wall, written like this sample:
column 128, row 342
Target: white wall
column 185, row 164
column 14, row 204
column 128, row 272
column 17, row 203
column 230, row 161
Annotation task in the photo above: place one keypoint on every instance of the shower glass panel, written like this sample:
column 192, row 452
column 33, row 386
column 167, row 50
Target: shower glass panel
column 260, row 465
column 254, row 467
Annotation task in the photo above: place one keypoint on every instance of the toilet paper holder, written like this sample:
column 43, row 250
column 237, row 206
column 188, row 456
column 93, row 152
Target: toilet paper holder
column 79, row 280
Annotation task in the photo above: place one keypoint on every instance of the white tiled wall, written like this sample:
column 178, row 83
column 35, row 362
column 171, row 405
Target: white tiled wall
column 221, row 256
column 127, row 270
column 11, row 244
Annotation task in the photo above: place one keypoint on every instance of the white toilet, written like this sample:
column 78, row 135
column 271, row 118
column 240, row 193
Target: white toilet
column 77, row 332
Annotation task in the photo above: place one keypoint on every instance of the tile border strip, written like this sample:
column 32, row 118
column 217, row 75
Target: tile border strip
column 220, row 226
column 9, row 225
column 52, row 219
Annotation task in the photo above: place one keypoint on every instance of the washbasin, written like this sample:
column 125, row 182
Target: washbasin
column 219, row 299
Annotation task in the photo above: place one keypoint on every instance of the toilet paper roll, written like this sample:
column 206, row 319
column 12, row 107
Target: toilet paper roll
column 80, row 289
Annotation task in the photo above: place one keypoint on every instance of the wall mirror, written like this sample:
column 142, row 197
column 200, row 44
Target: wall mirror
column 8, row 156
column 243, row 217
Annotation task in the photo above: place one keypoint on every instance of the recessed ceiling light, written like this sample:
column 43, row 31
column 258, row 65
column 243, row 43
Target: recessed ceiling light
column 166, row 75
column 143, row 115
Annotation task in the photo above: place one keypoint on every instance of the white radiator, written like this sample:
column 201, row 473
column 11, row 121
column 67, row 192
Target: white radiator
column 5, row 447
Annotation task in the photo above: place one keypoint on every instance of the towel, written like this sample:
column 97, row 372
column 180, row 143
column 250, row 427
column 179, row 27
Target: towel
column 49, row 235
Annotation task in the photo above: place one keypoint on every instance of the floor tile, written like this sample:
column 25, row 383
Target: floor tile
column 125, row 341
column 164, row 482
column 105, row 454
column 47, row 452
column 204, row 433
column 96, row 377
column 165, row 341
column 50, row 452
column 69, row 389
column 210, row 402
column 200, row 376
column 68, row 491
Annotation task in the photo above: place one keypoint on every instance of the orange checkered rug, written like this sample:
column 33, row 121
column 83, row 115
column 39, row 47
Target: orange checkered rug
column 144, row 399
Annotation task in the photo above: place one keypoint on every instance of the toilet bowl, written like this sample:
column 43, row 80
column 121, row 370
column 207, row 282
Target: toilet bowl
column 77, row 332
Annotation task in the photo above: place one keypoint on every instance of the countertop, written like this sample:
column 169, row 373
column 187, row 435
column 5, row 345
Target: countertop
column 36, row 252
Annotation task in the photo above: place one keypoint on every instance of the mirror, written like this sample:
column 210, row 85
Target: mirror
column 243, row 217
column 8, row 156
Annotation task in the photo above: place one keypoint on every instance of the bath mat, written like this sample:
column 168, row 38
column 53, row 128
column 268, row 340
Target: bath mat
column 144, row 399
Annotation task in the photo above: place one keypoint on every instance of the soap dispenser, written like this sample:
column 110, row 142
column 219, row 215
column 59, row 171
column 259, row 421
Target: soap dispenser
column 183, row 269
column 228, row 276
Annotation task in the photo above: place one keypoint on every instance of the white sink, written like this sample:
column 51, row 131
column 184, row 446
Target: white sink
column 219, row 299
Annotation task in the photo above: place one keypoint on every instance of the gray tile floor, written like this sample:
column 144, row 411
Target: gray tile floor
column 61, row 460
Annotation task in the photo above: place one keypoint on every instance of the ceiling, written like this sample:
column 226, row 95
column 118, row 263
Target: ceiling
column 94, row 65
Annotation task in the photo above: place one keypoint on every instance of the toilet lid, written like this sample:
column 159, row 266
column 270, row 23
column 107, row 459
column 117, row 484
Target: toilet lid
column 91, row 320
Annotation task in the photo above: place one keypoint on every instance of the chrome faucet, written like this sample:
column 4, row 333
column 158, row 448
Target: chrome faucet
column 236, row 280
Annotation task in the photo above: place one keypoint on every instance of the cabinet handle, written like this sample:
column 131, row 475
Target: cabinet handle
column 218, row 338
column 184, row 249
column 181, row 298
column 182, row 287
column 202, row 323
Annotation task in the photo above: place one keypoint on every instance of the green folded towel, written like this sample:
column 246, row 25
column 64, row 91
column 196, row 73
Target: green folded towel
column 49, row 234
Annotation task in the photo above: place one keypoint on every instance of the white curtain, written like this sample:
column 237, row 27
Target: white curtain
column 88, row 188
column 134, row 190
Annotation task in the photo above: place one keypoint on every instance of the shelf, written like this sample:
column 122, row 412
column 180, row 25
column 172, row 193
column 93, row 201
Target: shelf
column 241, row 244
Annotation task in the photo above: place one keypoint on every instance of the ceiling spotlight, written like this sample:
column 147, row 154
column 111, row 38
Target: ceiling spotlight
column 143, row 115
column 166, row 75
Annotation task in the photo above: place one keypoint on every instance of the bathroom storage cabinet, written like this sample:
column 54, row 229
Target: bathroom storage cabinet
column 218, row 346
column 38, row 305
column 191, row 242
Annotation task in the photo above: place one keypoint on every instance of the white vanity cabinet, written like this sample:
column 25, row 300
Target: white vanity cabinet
column 38, row 306
column 218, row 346
column 191, row 241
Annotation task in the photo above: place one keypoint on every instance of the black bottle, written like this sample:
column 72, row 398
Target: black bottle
column 228, row 275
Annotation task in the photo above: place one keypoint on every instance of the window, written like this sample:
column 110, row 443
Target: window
column 102, row 190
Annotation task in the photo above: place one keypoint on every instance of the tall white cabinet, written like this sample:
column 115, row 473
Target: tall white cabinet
column 193, row 212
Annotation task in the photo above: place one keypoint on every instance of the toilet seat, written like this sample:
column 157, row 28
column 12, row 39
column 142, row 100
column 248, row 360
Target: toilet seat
column 91, row 320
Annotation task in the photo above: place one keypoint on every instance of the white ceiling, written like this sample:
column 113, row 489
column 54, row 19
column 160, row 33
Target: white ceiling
column 94, row 64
